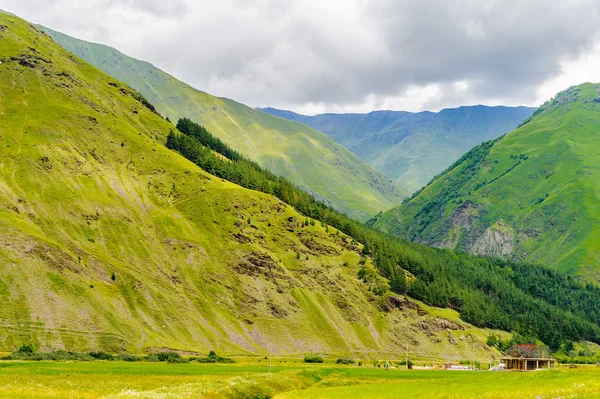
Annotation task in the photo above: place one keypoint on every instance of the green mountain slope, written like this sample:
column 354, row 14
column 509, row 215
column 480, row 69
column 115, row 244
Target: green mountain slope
column 409, row 147
column 306, row 157
column 109, row 240
column 532, row 194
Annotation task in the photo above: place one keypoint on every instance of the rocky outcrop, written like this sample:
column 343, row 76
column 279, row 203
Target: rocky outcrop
column 497, row 240
column 462, row 222
column 464, row 215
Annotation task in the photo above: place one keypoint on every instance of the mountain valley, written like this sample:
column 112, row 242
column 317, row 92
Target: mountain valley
column 412, row 148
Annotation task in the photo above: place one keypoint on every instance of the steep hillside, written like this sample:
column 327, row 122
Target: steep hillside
column 532, row 194
column 308, row 158
column 109, row 240
column 412, row 148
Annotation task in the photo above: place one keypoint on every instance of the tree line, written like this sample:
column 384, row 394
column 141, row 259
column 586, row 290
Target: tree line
column 528, row 299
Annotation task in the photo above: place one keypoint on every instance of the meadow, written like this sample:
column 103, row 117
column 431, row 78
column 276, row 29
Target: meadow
column 288, row 379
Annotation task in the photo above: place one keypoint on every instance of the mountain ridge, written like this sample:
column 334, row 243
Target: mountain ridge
column 413, row 147
column 306, row 157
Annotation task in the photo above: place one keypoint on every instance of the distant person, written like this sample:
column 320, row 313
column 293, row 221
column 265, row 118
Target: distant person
column 387, row 365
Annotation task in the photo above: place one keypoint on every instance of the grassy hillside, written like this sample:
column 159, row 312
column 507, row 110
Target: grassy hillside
column 306, row 157
column 109, row 240
column 487, row 291
column 412, row 148
column 532, row 194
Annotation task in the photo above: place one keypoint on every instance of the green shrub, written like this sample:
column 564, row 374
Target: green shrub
column 26, row 348
column 153, row 358
column 59, row 355
column 99, row 355
column 492, row 340
column 206, row 360
column 178, row 360
column 126, row 357
column 344, row 360
column 313, row 359
column 64, row 355
column 26, row 352
column 214, row 358
column 167, row 356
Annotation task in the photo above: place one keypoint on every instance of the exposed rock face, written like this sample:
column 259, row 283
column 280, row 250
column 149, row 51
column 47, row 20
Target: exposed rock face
column 497, row 240
column 463, row 219
column 439, row 324
column 464, row 215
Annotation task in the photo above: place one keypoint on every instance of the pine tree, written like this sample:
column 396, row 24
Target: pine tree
column 398, row 282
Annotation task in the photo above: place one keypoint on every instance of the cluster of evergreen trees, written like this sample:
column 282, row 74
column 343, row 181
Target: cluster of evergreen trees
column 488, row 292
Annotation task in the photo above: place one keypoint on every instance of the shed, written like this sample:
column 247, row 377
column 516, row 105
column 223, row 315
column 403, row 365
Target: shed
column 527, row 357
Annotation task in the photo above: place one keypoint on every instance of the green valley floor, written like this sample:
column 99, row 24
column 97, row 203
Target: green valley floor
column 288, row 379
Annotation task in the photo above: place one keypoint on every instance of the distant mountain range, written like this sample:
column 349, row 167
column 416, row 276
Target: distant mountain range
column 412, row 148
column 305, row 156
column 532, row 195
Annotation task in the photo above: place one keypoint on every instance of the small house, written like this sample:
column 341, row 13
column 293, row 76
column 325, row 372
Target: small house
column 527, row 357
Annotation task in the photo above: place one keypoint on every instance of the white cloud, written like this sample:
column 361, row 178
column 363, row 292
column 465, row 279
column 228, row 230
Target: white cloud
column 585, row 68
column 355, row 55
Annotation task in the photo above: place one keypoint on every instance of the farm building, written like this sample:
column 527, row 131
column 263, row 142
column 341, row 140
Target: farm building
column 528, row 357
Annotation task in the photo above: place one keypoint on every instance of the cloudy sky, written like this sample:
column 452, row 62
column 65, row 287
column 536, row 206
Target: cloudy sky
column 315, row 56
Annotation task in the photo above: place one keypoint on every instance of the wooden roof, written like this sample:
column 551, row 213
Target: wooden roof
column 528, row 351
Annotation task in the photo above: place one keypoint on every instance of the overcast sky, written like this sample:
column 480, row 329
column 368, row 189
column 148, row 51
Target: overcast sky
column 347, row 55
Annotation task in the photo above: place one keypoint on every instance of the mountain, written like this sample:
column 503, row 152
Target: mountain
column 533, row 194
column 114, row 236
column 412, row 148
column 109, row 240
column 306, row 157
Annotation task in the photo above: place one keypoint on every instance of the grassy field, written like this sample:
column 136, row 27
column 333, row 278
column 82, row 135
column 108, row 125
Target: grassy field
column 252, row 380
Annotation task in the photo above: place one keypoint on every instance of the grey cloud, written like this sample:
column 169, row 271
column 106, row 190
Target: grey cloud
column 340, row 53
column 503, row 49
column 156, row 7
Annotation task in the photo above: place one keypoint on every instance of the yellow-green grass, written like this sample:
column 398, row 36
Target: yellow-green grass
column 536, row 189
column 21, row 380
column 304, row 156
column 562, row 383
column 108, row 240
